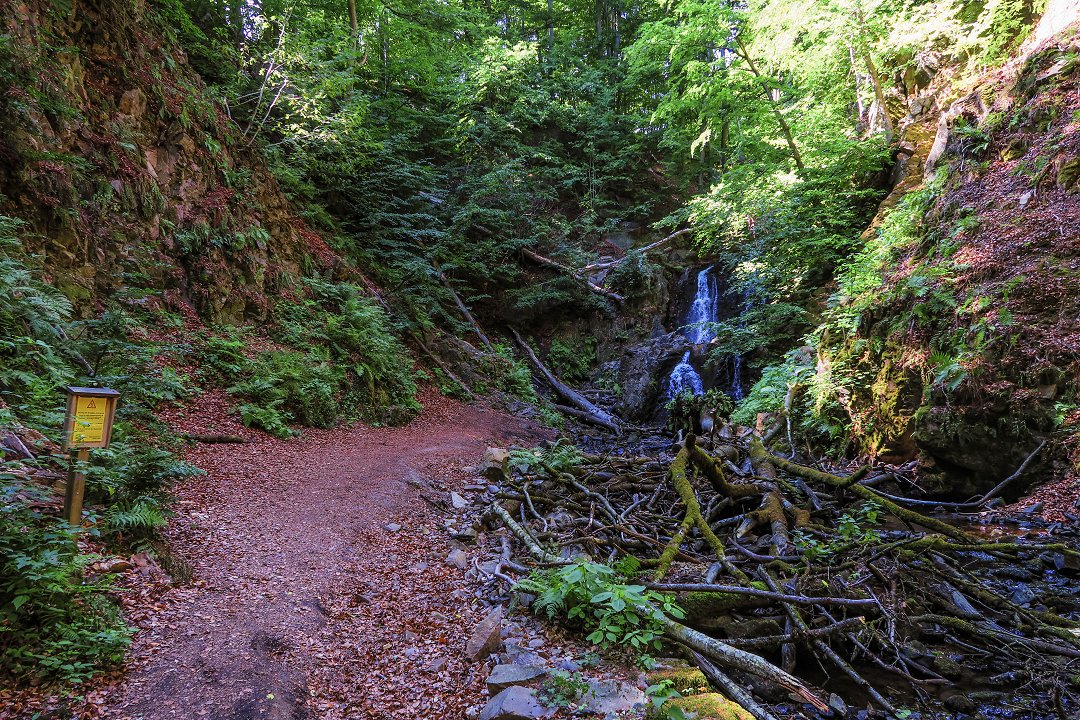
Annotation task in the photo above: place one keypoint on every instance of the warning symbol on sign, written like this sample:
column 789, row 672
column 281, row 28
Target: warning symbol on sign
column 90, row 417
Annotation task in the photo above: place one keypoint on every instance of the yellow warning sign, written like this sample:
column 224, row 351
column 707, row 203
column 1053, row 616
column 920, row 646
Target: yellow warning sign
column 89, row 420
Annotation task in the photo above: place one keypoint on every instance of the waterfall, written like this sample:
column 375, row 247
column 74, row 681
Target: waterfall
column 702, row 310
column 683, row 377
column 736, row 377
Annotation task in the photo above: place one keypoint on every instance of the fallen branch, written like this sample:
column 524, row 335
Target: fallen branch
column 648, row 248
column 592, row 413
column 730, row 688
column 577, row 275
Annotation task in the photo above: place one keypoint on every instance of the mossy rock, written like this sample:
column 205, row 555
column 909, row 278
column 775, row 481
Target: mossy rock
column 707, row 706
column 687, row 680
column 1069, row 174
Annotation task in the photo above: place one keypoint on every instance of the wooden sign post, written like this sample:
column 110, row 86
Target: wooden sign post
column 90, row 414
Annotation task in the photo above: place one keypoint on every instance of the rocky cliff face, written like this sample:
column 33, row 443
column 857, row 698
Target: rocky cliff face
column 131, row 177
column 970, row 354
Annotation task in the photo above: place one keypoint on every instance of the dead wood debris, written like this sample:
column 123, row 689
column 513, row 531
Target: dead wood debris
column 850, row 579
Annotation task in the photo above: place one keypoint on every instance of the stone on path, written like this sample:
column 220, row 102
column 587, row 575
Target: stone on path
column 504, row 676
column 494, row 463
column 458, row 559
column 458, row 502
column 608, row 697
column 514, row 703
column 487, row 636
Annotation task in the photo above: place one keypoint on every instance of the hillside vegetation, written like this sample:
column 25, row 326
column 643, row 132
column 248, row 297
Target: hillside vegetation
column 313, row 207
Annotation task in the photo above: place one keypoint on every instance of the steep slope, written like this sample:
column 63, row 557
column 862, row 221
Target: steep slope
column 129, row 173
column 953, row 335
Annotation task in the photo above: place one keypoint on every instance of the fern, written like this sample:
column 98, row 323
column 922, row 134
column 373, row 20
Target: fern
column 142, row 516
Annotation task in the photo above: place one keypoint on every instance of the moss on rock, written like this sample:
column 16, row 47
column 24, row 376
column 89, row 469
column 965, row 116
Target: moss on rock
column 706, row 706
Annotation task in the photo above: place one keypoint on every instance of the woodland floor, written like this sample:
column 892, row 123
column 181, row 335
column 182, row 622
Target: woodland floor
column 301, row 602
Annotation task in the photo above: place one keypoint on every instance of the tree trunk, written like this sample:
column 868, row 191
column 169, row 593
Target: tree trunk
column 354, row 25
column 872, row 69
column 784, row 127
column 594, row 414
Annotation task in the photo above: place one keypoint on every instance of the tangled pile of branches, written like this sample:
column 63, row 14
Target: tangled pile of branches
column 764, row 572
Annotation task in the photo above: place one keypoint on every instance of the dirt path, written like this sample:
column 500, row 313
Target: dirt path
column 302, row 603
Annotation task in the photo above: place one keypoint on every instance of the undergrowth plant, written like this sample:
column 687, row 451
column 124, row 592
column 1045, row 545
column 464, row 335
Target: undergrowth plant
column 54, row 624
column 598, row 599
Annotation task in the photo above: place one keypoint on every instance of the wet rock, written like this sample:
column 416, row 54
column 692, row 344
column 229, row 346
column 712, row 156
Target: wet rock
column 640, row 370
column 486, row 637
column 458, row 559
column 514, row 703
column 504, row 676
column 960, row 703
column 607, row 697
column 1022, row 595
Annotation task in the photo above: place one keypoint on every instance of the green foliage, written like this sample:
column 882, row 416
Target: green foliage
column 509, row 374
column 31, row 315
column 853, row 528
column 138, row 518
column 347, row 364
column 659, row 694
column 634, row 277
column 53, row 624
column 561, row 457
column 572, row 359
column 362, row 363
column 561, row 689
column 285, row 386
column 597, row 599
column 56, row 625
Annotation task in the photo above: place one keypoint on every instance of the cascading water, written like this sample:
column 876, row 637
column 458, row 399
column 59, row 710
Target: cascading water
column 736, row 378
column 702, row 310
column 683, row 377
column 737, row 391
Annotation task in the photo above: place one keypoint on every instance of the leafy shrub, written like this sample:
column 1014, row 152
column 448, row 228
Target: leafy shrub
column 136, row 519
column 635, row 277
column 573, row 362
column 293, row 386
column 363, row 365
column 509, row 374
column 31, row 315
column 596, row 597
column 53, row 624
column 266, row 417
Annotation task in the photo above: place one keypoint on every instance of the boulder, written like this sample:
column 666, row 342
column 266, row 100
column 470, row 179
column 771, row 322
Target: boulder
column 504, row 676
column 514, row 703
column 705, row 705
column 494, row 463
column 486, row 637
column 640, row 373
column 610, row 697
